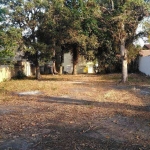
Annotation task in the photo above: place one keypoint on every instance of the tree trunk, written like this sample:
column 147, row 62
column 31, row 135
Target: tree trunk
column 61, row 60
column 74, row 72
column 61, row 70
column 54, row 59
column 54, row 67
column 38, row 75
column 124, row 61
column 112, row 4
column 75, row 56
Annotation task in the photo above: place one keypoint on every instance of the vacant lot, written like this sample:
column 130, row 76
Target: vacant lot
column 83, row 112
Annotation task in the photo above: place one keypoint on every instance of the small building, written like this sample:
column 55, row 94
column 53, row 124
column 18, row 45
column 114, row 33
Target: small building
column 24, row 66
column 82, row 67
column 5, row 72
column 8, row 71
column 144, row 60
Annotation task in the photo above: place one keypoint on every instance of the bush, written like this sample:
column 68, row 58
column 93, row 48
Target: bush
column 20, row 75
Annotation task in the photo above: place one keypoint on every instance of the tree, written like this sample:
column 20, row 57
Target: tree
column 121, row 19
column 67, row 24
column 146, row 27
column 81, row 29
column 10, row 38
column 50, row 30
column 78, row 26
column 27, row 16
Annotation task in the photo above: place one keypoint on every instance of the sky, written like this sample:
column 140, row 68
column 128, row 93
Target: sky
column 142, row 40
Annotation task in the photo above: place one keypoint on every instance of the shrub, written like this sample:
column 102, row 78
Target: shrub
column 20, row 75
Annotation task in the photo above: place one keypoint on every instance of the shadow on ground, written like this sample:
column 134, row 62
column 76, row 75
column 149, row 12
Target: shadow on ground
column 50, row 126
column 117, row 132
column 93, row 103
column 63, row 138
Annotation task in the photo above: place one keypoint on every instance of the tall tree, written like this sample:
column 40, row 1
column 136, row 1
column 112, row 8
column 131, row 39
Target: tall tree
column 81, row 30
column 28, row 15
column 67, row 24
column 51, row 29
column 10, row 39
column 121, row 19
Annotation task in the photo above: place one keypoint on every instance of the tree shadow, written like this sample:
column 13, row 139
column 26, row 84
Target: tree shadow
column 58, row 137
column 110, row 105
column 58, row 132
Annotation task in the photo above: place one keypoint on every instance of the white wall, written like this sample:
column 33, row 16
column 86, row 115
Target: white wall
column 81, row 66
column 68, row 67
column 144, row 64
column 27, row 68
column 5, row 73
column 24, row 66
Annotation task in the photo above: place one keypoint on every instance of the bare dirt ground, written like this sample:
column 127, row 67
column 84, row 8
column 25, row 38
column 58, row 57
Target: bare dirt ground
column 83, row 112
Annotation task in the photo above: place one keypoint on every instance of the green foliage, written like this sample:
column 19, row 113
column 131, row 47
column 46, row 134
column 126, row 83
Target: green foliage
column 108, row 60
column 133, row 52
column 118, row 23
column 70, row 24
column 77, row 26
column 28, row 15
column 146, row 26
column 20, row 75
column 133, row 58
column 2, row 14
column 10, row 39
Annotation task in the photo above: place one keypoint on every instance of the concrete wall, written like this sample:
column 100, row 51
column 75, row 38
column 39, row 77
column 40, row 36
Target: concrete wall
column 5, row 73
column 144, row 64
column 24, row 66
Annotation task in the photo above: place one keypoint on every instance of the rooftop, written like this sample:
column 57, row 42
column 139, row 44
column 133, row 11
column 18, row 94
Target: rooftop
column 145, row 52
column 146, row 46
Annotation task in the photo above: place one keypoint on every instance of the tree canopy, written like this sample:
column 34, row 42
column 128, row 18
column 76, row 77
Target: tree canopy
column 119, row 21
column 10, row 38
column 108, row 27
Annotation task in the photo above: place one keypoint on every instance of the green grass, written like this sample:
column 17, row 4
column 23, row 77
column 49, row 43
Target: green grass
column 53, row 84
column 112, row 77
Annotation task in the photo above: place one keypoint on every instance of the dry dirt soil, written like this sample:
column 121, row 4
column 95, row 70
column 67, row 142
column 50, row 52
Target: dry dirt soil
column 83, row 112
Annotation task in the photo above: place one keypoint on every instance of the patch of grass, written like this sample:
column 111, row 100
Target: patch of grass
column 90, row 106
column 54, row 88
column 59, row 85
column 114, row 77
column 132, row 78
column 139, row 79
column 2, row 90
column 96, row 105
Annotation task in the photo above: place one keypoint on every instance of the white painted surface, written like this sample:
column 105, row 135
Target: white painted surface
column 27, row 68
column 90, row 69
column 81, row 66
column 5, row 73
column 68, row 67
column 144, row 65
